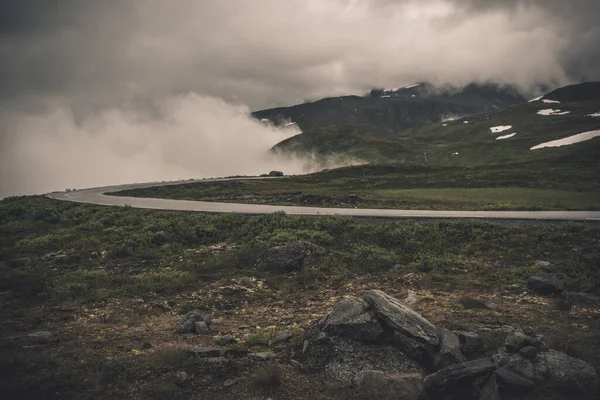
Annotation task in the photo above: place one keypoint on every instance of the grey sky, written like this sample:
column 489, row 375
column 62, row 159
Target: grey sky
column 86, row 59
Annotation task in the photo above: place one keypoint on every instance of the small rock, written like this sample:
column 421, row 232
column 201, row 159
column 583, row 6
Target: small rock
column 287, row 258
column 262, row 356
column 528, row 352
column 235, row 353
column 518, row 340
column 458, row 375
column 201, row 327
column 448, row 352
column 545, row 284
column 229, row 382
column 528, row 331
column 283, row 337
column 182, row 376
column 205, row 352
column 305, row 346
column 146, row 346
column 352, row 317
column 377, row 385
column 542, row 264
column 225, row 340
column 471, row 343
column 511, row 382
column 40, row 335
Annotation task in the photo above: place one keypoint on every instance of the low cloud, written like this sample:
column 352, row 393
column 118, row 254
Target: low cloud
column 73, row 69
column 189, row 136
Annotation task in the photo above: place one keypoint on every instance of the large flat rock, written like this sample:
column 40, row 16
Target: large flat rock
column 401, row 318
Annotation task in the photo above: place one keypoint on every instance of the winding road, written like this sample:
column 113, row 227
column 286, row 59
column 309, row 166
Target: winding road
column 98, row 196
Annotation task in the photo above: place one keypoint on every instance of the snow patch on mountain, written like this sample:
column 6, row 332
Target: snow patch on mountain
column 581, row 137
column 551, row 101
column 594, row 114
column 549, row 111
column 506, row 136
column 536, row 99
column 498, row 129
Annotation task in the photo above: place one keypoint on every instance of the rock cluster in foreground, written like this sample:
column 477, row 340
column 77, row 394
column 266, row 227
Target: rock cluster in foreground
column 392, row 352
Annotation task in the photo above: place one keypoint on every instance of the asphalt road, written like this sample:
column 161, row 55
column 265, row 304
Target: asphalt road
column 98, row 196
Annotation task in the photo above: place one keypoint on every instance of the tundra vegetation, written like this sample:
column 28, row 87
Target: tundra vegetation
column 103, row 290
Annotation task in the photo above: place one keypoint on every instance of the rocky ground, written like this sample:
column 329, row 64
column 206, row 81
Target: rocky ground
column 131, row 304
column 365, row 339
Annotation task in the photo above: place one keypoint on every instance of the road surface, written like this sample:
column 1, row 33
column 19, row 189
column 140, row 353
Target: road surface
column 98, row 196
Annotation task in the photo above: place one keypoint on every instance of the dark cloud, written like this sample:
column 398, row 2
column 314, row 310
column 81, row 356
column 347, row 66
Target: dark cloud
column 82, row 59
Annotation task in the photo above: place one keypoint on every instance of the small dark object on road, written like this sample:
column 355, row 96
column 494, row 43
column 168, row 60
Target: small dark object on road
column 275, row 173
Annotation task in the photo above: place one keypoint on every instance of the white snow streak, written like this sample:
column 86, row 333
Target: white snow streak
column 581, row 137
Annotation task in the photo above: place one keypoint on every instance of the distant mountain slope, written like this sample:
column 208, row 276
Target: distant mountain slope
column 487, row 138
column 589, row 91
column 394, row 110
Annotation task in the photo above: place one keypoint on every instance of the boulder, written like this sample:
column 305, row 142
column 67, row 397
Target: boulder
column 352, row 317
column 401, row 318
column 552, row 369
column 518, row 340
column 545, row 284
column 195, row 321
column 377, row 385
column 283, row 337
column 528, row 351
column 276, row 173
column 458, row 378
column 448, row 352
column 511, row 382
column 287, row 258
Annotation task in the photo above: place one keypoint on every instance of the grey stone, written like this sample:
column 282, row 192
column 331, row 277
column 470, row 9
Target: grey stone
column 190, row 320
column 201, row 327
column 262, row 356
column 448, row 352
column 471, row 343
column 287, row 258
column 528, row 352
column 205, row 352
column 305, row 346
column 235, row 353
column 401, row 318
column 146, row 346
column 378, row 385
column 225, row 340
column 458, row 375
column 552, row 369
column 283, row 337
column 517, row 340
column 545, row 284
column 229, row 382
column 511, row 382
column 352, row 317
column 182, row 376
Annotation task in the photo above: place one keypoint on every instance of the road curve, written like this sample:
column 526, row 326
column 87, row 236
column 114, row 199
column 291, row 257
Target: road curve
column 98, row 196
